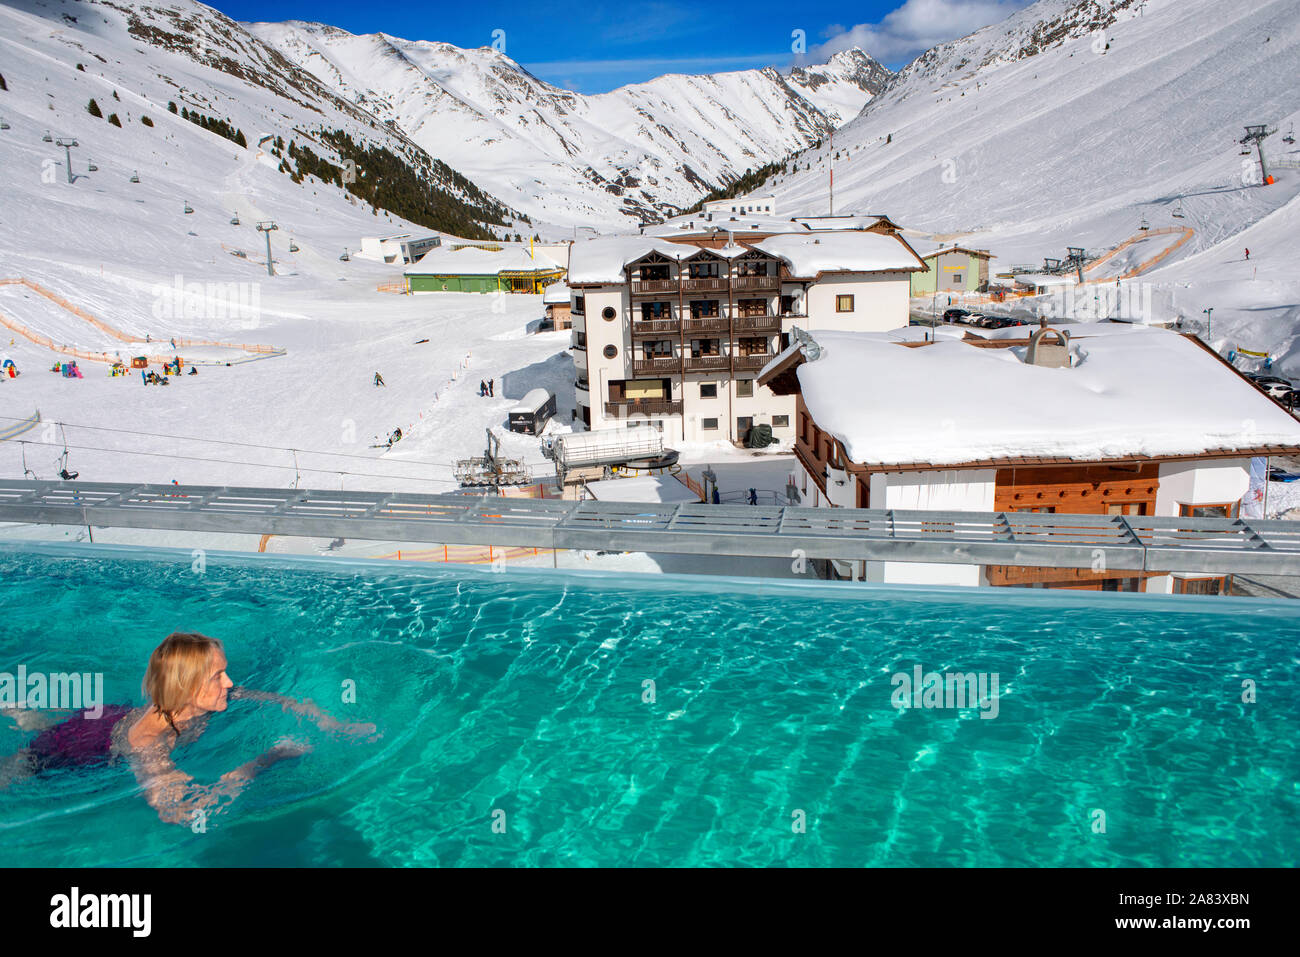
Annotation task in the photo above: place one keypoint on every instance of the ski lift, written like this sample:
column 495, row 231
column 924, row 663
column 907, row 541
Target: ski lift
column 293, row 247
column 47, row 138
column 92, row 168
column 1178, row 210
column 1290, row 135
column 63, row 459
column 1245, row 149
column 135, row 177
column 1144, row 226
column 234, row 220
column 344, row 258
column 188, row 209
column 3, row 124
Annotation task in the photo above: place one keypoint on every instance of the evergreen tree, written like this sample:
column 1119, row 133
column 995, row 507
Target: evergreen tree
column 3, row 86
column 112, row 118
column 171, row 106
column 93, row 109
column 146, row 121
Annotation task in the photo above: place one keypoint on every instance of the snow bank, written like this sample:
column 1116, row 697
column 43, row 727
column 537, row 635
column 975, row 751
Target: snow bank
column 856, row 251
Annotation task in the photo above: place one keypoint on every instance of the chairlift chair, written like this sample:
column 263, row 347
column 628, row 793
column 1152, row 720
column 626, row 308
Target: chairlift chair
column 234, row 220
column 47, row 138
column 1144, row 225
column 3, row 124
column 135, row 177
column 344, row 258
column 293, row 247
column 1290, row 135
column 188, row 209
column 1178, row 210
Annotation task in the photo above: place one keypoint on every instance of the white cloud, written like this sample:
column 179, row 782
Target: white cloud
column 918, row 25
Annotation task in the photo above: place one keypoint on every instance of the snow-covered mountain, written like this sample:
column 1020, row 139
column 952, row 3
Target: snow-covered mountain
column 638, row 151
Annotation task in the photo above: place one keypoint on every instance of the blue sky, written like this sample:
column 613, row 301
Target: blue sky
column 596, row 46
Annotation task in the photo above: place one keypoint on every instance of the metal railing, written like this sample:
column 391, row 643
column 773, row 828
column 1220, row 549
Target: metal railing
column 1216, row 546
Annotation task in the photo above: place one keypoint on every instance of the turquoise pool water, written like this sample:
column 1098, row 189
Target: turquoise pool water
column 519, row 698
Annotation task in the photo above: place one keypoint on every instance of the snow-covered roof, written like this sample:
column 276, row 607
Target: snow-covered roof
column 1143, row 393
column 473, row 261
column 694, row 223
column 532, row 401
column 854, row 251
column 554, row 293
column 602, row 260
column 929, row 248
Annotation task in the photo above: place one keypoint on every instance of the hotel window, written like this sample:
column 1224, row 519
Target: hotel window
column 657, row 349
column 704, row 308
column 579, row 303
column 707, row 270
column 705, row 347
column 751, row 308
column 780, row 421
column 579, row 340
column 709, row 425
column 843, row 303
column 753, row 345
column 1202, row 586
column 653, row 271
column 610, row 351
column 1227, row 510
column 744, row 388
column 708, row 390
column 609, row 313
column 656, row 310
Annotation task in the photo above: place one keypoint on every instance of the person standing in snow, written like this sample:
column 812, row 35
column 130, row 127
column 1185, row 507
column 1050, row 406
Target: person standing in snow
column 482, row 387
column 379, row 381
column 491, row 383
column 753, row 496
column 1248, row 254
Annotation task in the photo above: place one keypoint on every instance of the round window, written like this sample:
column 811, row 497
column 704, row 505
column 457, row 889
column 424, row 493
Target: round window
column 611, row 351
column 608, row 313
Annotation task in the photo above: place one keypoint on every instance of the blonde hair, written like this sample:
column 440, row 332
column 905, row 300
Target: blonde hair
column 177, row 669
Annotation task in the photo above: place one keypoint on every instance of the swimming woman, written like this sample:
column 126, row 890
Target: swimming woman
column 186, row 682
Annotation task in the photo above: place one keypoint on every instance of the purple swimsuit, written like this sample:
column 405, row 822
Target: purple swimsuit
column 78, row 741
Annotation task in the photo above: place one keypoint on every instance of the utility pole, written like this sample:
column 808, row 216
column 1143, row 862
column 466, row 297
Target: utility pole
column 1256, row 135
column 266, row 227
column 67, row 155
column 830, row 161
column 1209, row 318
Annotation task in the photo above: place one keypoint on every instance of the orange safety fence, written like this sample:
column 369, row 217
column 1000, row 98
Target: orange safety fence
column 391, row 287
column 118, row 334
column 690, row 483
column 466, row 554
column 1187, row 233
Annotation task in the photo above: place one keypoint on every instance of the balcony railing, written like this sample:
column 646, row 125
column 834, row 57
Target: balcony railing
column 703, row 283
column 582, row 385
column 704, row 324
column 657, row 364
column 656, row 327
column 756, row 324
column 629, row 407
column 750, row 363
column 642, row 287
column 707, row 364
column 756, row 282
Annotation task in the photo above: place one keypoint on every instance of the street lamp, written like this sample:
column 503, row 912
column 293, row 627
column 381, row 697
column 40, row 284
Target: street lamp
column 67, row 155
column 266, row 227
column 1209, row 317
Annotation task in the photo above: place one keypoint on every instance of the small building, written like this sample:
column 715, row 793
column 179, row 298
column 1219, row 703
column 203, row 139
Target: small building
column 393, row 249
column 470, row 268
column 952, row 269
column 1039, row 284
column 742, row 206
column 1114, row 420
column 556, row 299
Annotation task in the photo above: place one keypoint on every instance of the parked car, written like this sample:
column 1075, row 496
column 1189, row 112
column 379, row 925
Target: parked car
column 1271, row 384
column 955, row 315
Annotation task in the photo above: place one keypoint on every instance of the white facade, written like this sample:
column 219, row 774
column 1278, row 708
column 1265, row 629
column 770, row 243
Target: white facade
column 680, row 341
column 757, row 205
column 1191, row 484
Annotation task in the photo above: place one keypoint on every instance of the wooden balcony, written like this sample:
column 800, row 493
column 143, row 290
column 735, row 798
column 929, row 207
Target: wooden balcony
column 756, row 325
column 665, row 365
column 653, row 287
column 655, row 328
column 707, row 364
column 750, row 363
column 629, row 407
column 705, row 284
column 715, row 324
column 746, row 283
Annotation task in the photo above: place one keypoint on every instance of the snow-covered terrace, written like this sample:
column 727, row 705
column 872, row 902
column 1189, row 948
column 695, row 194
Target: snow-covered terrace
column 1147, row 393
column 473, row 261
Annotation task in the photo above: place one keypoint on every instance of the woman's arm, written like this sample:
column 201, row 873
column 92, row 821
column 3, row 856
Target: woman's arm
column 305, row 709
column 172, row 793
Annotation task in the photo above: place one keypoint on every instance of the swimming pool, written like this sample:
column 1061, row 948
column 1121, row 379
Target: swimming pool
column 520, row 700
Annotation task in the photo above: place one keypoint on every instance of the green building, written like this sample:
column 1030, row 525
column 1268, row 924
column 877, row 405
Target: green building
column 952, row 269
column 486, row 268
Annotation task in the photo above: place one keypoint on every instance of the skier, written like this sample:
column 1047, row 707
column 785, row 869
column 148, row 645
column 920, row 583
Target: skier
column 379, row 380
column 491, row 383
column 482, row 387
column 1248, row 254
column 173, row 342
